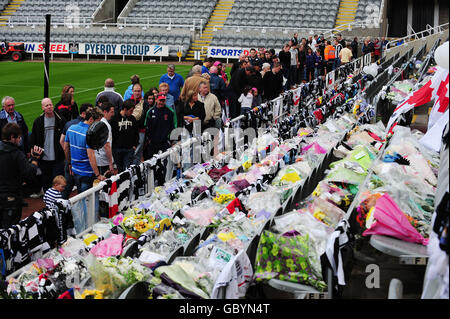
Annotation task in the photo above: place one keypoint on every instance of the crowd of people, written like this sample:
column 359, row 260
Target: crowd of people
column 54, row 156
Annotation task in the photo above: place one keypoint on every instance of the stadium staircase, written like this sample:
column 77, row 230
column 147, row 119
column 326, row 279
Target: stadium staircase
column 216, row 22
column 9, row 10
column 346, row 13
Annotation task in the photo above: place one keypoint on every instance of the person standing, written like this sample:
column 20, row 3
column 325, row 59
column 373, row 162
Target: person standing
column 239, row 80
column 285, row 60
column 213, row 109
column 83, row 164
column 293, row 65
column 294, row 39
column 159, row 123
column 125, row 136
column 164, row 89
column 237, row 65
column 207, row 65
column 55, row 192
column 301, row 74
column 330, row 55
column 191, row 84
column 346, row 54
column 129, row 92
column 8, row 114
column 217, row 85
column 310, row 65
column 140, row 110
column 221, row 68
column 246, row 100
column 103, row 156
column 354, row 46
column 319, row 67
column 253, row 58
column 273, row 82
column 150, row 98
column 113, row 97
column 175, row 81
column 69, row 103
column 191, row 111
column 46, row 133
column 338, row 47
column 15, row 169
column 377, row 49
column 70, row 182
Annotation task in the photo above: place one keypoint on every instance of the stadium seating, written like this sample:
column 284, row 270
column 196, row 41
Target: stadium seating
column 57, row 8
column 183, row 12
column 280, row 14
column 3, row 4
column 368, row 9
column 244, row 40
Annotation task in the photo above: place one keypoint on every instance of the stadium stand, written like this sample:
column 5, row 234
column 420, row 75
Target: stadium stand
column 368, row 9
column 57, row 8
column 183, row 12
column 279, row 20
column 3, row 4
column 246, row 40
column 279, row 14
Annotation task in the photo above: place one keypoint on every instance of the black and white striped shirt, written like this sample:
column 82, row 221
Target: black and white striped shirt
column 50, row 197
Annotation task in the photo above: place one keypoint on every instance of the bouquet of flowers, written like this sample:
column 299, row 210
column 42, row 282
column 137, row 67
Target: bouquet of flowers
column 112, row 275
column 137, row 221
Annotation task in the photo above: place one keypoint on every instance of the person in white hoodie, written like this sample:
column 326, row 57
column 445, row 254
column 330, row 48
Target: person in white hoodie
column 246, row 100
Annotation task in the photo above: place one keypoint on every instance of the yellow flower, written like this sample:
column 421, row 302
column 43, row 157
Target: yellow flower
column 97, row 294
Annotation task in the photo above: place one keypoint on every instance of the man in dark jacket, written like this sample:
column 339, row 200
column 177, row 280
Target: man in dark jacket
column 158, row 126
column 125, row 135
column 9, row 115
column 216, row 84
column 14, row 171
column 46, row 133
column 285, row 60
column 239, row 80
column 273, row 82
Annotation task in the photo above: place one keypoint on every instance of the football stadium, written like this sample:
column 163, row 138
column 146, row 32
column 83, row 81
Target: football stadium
column 236, row 150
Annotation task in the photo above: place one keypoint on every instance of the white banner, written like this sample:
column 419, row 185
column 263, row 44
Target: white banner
column 121, row 49
column 226, row 52
column 58, row 48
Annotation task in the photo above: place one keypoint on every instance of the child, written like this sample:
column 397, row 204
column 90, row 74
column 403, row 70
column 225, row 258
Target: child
column 257, row 100
column 54, row 193
column 246, row 100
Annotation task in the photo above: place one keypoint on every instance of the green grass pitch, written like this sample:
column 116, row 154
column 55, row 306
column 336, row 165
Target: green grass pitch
column 24, row 81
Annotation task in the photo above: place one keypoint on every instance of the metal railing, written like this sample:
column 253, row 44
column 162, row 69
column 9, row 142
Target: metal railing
column 419, row 35
column 87, row 22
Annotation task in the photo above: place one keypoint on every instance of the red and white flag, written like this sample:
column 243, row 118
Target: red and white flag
column 441, row 102
column 435, row 89
column 296, row 97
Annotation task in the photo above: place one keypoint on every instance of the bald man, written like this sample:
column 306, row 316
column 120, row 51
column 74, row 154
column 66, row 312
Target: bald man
column 46, row 133
column 113, row 97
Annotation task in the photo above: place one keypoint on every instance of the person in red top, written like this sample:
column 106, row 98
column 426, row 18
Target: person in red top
column 377, row 49
column 67, row 107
